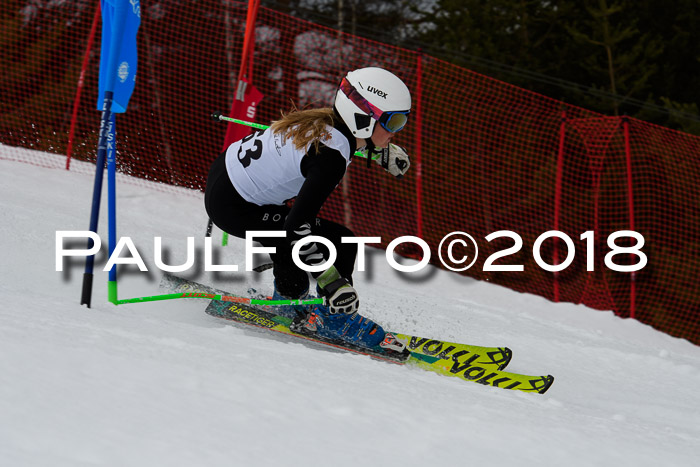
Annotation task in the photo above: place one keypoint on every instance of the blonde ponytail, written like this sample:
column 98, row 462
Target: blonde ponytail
column 304, row 127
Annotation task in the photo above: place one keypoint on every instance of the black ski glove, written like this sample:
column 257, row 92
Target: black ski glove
column 340, row 295
column 394, row 160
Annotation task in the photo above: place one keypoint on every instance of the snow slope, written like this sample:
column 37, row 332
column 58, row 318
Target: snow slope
column 165, row 384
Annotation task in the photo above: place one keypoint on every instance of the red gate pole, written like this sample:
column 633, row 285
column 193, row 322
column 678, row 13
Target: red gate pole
column 419, row 144
column 630, row 206
column 81, row 84
column 245, row 70
column 557, row 198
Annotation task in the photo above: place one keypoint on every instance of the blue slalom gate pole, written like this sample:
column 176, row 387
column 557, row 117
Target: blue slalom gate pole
column 120, row 22
column 96, row 195
column 112, row 205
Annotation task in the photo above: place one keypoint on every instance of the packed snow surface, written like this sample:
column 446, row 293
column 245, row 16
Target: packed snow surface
column 164, row 383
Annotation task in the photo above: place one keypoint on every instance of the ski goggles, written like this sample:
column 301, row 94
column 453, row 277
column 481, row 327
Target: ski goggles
column 391, row 121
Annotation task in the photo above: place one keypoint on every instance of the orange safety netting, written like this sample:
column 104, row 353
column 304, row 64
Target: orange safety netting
column 487, row 156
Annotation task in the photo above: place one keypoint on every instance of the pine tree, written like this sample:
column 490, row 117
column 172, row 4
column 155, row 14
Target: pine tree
column 624, row 55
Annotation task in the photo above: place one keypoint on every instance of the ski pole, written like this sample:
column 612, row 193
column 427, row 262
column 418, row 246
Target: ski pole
column 223, row 118
column 223, row 298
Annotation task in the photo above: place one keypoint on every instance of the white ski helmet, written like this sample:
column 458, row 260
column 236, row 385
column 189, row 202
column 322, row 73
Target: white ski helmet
column 370, row 95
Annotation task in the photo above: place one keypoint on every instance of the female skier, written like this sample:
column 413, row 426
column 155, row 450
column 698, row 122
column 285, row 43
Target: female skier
column 305, row 155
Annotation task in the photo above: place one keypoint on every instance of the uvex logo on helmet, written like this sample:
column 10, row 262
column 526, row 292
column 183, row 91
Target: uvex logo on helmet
column 376, row 91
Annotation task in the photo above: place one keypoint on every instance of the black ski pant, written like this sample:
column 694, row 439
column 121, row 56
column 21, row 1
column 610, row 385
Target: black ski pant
column 233, row 214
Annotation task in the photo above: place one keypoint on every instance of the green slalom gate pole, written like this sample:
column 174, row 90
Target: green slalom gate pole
column 223, row 298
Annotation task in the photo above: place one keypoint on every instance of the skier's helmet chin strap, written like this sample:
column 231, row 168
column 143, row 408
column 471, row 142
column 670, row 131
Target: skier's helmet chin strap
column 370, row 150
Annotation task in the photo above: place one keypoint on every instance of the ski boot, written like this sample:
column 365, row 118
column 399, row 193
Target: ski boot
column 337, row 319
column 351, row 328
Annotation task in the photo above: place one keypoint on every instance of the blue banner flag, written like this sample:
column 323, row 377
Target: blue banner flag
column 120, row 23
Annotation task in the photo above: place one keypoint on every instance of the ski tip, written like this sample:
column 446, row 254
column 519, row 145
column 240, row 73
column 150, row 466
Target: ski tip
column 507, row 356
column 548, row 381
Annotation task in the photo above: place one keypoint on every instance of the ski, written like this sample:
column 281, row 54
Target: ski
column 478, row 364
column 268, row 320
column 452, row 352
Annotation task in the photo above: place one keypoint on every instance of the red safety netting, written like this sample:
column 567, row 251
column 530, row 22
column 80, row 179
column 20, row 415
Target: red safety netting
column 487, row 156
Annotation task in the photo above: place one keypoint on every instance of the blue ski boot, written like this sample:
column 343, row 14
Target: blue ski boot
column 351, row 328
column 338, row 319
